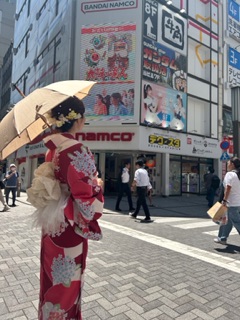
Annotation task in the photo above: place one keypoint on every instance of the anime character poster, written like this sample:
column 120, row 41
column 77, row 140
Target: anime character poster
column 163, row 107
column 164, row 65
column 108, row 57
column 108, row 53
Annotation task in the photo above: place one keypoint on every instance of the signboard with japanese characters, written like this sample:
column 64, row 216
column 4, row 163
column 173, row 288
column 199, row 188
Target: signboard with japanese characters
column 164, row 66
column 233, row 67
column 164, row 71
column 150, row 19
column 172, row 30
column 165, row 141
column 234, row 19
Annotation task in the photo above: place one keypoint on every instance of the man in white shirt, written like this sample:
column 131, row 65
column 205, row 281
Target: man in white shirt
column 142, row 183
column 124, row 188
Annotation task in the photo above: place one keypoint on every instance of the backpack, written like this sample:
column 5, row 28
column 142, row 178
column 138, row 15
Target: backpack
column 215, row 182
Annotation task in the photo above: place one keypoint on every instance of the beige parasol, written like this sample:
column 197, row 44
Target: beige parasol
column 24, row 123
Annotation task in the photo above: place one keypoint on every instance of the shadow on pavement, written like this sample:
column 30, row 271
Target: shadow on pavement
column 230, row 248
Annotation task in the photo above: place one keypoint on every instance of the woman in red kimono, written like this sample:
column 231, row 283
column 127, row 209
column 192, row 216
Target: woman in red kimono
column 69, row 201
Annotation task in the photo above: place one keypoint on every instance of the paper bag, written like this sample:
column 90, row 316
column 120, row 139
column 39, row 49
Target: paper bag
column 217, row 211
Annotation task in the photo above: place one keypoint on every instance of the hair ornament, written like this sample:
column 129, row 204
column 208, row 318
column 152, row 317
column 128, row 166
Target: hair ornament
column 72, row 115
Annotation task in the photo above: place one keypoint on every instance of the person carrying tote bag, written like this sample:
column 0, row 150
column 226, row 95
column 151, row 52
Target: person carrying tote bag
column 231, row 199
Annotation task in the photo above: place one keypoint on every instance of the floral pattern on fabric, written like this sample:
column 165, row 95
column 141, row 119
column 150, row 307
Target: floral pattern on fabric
column 53, row 312
column 82, row 162
column 63, row 269
column 86, row 209
column 64, row 251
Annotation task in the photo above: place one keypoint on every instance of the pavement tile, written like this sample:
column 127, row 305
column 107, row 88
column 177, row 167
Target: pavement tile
column 126, row 278
column 152, row 314
column 202, row 315
column 187, row 316
column 132, row 315
column 101, row 312
column 105, row 304
column 119, row 310
column 217, row 312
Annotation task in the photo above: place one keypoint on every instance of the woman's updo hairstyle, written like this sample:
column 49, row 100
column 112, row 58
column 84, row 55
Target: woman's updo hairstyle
column 67, row 113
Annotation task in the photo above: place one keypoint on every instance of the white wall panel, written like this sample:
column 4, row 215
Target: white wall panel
column 214, row 94
column 198, row 88
column 214, row 121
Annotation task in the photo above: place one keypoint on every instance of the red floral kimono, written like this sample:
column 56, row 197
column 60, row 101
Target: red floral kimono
column 67, row 183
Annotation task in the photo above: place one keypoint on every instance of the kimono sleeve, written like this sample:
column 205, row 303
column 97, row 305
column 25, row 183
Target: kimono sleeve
column 87, row 195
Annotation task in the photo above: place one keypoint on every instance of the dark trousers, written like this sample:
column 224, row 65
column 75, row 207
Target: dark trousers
column 124, row 188
column 142, row 201
column 210, row 196
column 7, row 191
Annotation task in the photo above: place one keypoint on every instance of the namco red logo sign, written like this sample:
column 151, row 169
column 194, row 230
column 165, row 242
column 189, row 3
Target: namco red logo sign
column 105, row 136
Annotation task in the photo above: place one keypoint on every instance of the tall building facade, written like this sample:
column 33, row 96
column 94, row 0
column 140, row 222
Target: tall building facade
column 230, row 72
column 7, row 11
column 156, row 64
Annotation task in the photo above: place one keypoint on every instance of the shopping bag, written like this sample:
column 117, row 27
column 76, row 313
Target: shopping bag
column 217, row 211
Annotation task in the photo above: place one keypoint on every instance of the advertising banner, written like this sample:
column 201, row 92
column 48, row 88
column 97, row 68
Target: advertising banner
column 164, row 66
column 108, row 57
column 108, row 53
column 153, row 140
column 163, row 107
column 233, row 19
column 110, row 102
column 233, row 67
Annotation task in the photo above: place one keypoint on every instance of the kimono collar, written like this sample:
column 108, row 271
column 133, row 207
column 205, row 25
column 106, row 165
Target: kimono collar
column 54, row 140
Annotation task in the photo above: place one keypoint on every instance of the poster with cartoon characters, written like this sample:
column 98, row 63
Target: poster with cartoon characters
column 163, row 107
column 164, row 65
column 108, row 52
column 108, row 57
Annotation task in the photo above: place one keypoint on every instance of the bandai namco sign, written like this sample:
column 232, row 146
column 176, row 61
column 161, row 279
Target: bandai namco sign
column 105, row 136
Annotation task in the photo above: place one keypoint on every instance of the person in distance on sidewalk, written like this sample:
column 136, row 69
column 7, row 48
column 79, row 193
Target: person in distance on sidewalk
column 11, row 183
column 142, row 183
column 2, row 199
column 124, row 187
column 231, row 199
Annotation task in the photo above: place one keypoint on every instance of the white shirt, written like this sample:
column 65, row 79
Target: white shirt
column 125, row 175
column 141, row 177
column 231, row 179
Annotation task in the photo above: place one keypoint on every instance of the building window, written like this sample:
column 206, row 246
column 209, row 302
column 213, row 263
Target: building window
column 28, row 8
column 26, row 45
column 198, row 117
column 57, row 7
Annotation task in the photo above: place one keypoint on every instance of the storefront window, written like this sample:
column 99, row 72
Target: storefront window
column 187, row 175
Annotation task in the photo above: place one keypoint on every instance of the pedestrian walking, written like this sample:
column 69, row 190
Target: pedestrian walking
column 231, row 199
column 11, row 182
column 2, row 199
column 70, row 218
column 142, row 184
column 124, row 187
column 212, row 183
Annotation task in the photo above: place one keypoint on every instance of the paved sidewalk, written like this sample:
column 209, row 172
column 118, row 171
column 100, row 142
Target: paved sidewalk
column 156, row 271
column 175, row 206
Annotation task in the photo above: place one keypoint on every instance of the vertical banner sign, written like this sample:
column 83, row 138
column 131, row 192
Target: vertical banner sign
column 172, row 30
column 233, row 19
column 164, row 73
column 150, row 19
column 233, row 67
